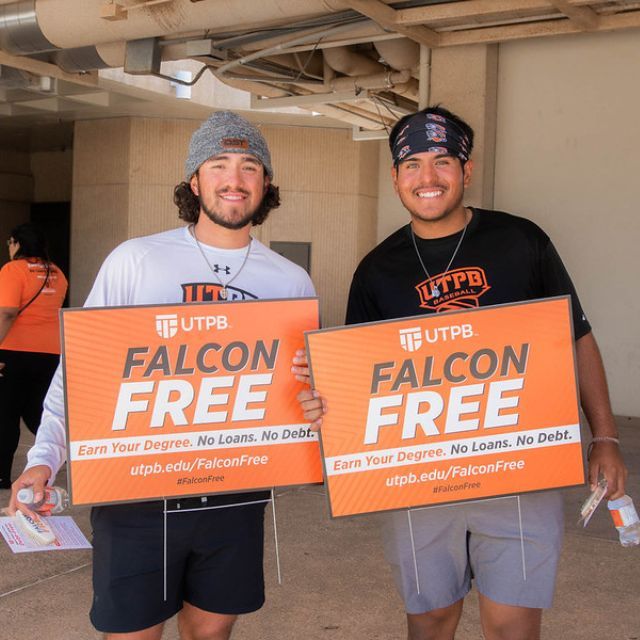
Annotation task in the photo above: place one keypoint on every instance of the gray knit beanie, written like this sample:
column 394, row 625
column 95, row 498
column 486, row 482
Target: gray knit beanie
column 226, row 132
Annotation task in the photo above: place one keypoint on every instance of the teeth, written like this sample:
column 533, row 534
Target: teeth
column 429, row 194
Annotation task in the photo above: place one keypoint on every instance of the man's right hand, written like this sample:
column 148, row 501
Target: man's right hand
column 314, row 406
column 35, row 477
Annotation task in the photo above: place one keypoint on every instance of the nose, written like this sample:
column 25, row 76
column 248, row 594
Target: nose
column 233, row 176
column 428, row 173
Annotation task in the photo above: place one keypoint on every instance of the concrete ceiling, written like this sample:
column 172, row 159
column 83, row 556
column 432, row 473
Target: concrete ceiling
column 273, row 58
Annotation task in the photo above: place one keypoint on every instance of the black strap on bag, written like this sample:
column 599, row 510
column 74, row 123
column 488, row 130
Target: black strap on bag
column 44, row 284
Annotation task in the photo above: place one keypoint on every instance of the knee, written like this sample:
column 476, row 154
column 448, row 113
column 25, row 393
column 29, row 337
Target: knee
column 523, row 627
column 210, row 627
column 438, row 624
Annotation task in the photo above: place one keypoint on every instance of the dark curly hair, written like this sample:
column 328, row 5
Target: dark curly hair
column 189, row 205
column 33, row 243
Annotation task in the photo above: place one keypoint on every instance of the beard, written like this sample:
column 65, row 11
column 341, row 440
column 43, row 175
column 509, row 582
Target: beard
column 234, row 223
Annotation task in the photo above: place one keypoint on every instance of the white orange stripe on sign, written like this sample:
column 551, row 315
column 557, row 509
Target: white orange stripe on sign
column 193, row 441
column 452, row 449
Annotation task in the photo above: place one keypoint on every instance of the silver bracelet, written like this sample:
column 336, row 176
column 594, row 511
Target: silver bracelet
column 596, row 439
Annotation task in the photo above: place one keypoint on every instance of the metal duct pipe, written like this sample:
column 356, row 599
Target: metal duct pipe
column 34, row 26
column 399, row 54
column 79, row 60
column 20, row 32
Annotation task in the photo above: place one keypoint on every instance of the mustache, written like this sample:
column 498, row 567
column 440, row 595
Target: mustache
column 224, row 190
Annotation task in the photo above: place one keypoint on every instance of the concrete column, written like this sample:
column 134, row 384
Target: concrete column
column 100, row 194
column 16, row 191
column 465, row 80
column 124, row 173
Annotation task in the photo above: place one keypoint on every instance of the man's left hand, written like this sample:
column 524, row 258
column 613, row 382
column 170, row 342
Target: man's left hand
column 606, row 461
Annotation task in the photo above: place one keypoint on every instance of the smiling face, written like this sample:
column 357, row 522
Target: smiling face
column 230, row 188
column 431, row 187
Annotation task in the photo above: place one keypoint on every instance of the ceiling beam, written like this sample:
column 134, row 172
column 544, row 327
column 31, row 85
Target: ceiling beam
column 37, row 67
column 563, row 26
column 386, row 17
column 584, row 17
column 449, row 13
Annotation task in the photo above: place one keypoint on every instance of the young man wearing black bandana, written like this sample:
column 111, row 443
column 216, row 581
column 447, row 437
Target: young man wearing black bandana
column 454, row 257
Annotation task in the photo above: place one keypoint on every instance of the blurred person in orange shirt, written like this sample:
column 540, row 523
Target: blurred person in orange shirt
column 32, row 290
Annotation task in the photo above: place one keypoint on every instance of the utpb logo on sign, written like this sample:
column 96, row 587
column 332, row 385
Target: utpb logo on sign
column 410, row 339
column 463, row 406
column 167, row 325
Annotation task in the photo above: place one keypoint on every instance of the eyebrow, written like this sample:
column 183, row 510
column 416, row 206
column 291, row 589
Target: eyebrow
column 246, row 157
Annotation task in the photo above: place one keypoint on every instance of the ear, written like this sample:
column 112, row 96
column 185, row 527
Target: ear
column 194, row 184
column 267, row 182
column 466, row 173
column 394, row 178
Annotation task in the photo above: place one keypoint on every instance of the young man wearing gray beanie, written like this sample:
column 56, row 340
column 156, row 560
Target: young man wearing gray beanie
column 214, row 564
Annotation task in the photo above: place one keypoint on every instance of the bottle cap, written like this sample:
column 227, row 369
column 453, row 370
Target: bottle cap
column 25, row 495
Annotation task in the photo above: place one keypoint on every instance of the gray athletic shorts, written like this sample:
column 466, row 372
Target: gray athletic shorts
column 509, row 546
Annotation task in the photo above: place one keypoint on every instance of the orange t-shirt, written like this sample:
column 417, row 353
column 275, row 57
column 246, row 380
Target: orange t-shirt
column 37, row 327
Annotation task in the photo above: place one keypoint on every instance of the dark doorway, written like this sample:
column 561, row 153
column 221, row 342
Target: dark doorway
column 54, row 218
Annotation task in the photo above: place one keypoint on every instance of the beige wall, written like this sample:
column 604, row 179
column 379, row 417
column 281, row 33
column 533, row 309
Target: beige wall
column 328, row 187
column 567, row 143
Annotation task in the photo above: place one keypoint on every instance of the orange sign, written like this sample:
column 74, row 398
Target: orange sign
column 188, row 399
column 448, row 407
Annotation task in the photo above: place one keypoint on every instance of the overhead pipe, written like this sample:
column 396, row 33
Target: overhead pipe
column 20, row 31
column 399, row 54
column 378, row 81
column 348, row 62
column 35, row 26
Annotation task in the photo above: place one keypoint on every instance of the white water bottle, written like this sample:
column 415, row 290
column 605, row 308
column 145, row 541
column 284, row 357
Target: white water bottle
column 625, row 518
column 55, row 499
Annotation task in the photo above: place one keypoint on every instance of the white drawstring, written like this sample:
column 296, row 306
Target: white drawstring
column 413, row 550
column 524, row 565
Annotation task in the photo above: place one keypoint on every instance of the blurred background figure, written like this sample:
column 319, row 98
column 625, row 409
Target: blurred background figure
column 32, row 290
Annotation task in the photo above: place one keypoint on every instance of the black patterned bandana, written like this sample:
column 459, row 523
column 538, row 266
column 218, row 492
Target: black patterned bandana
column 431, row 133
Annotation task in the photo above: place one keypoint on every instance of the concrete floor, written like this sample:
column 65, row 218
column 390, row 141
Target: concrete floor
column 336, row 585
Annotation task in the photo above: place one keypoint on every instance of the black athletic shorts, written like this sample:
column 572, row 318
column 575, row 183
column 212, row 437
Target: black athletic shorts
column 214, row 561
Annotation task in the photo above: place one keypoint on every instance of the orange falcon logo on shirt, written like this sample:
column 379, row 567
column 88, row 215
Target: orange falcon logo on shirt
column 458, row 289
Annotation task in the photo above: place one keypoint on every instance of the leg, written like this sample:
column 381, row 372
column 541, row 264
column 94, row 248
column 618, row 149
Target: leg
column 438, row 624
column 433, row 599
column 224, row 576
column 128, row 569
column 11, row 391
column 38, row 370
column 506, row 622
column 197, row 624
column 514, row 548
column 152, row 633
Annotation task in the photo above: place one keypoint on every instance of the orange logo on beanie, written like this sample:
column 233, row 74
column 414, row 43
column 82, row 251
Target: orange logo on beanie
column 235, row 143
